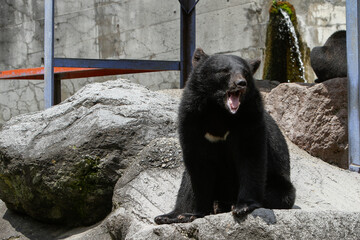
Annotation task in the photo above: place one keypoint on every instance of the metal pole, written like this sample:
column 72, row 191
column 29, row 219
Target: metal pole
column 49, row 54
column 57, row 89
column 187, row 38
column 353, row 62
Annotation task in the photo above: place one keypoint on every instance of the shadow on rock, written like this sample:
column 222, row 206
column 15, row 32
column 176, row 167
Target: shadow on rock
column 31, row 229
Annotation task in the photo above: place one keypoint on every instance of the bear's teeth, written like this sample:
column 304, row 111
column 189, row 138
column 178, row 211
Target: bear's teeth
column 233, row 102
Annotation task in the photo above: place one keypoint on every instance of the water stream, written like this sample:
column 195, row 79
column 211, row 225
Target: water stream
column 296, row 53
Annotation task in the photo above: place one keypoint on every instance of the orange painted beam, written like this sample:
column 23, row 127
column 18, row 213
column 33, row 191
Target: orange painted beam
column 36, row 73
column 65, row 73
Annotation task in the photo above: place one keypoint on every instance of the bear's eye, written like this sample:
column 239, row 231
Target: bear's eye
column 246, row 74
column 223, row 71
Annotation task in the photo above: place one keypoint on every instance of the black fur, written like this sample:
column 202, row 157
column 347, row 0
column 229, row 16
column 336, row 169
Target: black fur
column 329, row 61
column 248, row 167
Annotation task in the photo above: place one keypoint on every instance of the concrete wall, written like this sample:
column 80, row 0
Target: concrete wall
column 143, row 29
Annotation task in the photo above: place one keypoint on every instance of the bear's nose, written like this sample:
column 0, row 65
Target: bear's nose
column 241, row 83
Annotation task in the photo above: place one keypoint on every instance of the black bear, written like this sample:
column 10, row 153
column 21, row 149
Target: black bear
column 235, row 156
column 329, row 61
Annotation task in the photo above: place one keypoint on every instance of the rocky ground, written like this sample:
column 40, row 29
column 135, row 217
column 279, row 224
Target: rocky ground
column 327, row 207
column 327, row 204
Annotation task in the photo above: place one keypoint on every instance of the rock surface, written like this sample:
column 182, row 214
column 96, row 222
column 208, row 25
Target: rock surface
column 314, row 117
column 327, row 204
column 61, row 165
column 20, row 227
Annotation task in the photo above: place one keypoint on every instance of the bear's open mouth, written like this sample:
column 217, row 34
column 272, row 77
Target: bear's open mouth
column 233, row 101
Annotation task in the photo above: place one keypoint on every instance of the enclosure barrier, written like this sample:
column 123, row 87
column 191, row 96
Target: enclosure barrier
column 57, row 69
column 353, row 63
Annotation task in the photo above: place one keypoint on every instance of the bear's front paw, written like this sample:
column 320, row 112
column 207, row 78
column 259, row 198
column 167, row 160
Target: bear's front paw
column 243, row 209
column 188, row 217
column 181, row 218
column 163, row 219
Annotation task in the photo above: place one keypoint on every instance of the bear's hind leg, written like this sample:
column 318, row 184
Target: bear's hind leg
column 184, row 203
column 279, row 193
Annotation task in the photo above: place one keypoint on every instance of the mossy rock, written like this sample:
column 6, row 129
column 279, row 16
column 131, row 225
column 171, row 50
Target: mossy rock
column 61, row 165
column 283, row 62
column 274, row 9
column 71, row 195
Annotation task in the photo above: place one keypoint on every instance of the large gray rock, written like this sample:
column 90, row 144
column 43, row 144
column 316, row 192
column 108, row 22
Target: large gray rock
column 61, row 165
column 314, row 117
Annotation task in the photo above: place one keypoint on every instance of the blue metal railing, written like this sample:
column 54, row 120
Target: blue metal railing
column 187, row 47
column 117, row 64
column 353, row 63
column 49, row 88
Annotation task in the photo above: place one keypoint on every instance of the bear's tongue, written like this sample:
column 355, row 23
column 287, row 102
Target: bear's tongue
column 234, row 101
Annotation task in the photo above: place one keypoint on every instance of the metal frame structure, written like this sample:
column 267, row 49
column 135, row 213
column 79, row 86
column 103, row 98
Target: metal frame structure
column 56, row 69
column 187, row 46
column 353, row 63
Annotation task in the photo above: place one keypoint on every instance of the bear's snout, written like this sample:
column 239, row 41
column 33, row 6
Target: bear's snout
column 241, row 83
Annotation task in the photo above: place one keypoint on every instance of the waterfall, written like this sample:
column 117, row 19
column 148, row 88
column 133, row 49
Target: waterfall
column 296, row 54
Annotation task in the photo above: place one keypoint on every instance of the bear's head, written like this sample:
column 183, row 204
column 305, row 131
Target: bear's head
column 226, row 80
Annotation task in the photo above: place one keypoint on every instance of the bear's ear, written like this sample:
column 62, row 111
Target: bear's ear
column 254, row 65
column 198, row 55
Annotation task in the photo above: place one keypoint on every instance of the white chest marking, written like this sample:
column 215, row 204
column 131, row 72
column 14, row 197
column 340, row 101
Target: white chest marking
column 214, row 139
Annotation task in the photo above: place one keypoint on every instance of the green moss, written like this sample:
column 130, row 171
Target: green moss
column 84, row 182
column 85, row 174
column 6, row 181
column 274, row 9
column 72, row 194
column 15, row 186
column 282, row 62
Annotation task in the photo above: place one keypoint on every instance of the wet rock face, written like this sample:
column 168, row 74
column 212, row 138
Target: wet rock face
column 285, row 53
column 61, row 165
column 314, row 117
